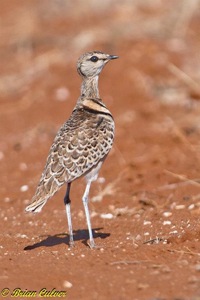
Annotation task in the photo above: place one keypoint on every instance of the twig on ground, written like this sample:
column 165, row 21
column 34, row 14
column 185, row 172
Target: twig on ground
column 172, row 186
column 129, row 262
column 183, row 251
column 156, row 240
column 183, row 178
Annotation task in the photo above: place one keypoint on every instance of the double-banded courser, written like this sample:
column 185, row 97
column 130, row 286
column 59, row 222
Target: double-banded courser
column 82, row 143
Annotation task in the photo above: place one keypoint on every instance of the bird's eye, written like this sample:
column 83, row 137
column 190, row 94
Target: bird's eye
column 94, row 58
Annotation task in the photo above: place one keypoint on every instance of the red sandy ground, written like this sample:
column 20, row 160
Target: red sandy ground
column 149, row 185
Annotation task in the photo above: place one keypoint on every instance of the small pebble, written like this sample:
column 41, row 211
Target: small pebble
column 191, row 206
column 67, row 284
column 106, row 216
column 173, row 205
column 173, row 232
column 167, row 214
column 23, row 236
column 181, row 206
column 24, row 188
column 138, row 237
column 147, row 223
column 167, row 223
column 93, row 214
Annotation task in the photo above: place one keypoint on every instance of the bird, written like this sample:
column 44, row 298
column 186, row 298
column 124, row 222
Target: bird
column 81, row 145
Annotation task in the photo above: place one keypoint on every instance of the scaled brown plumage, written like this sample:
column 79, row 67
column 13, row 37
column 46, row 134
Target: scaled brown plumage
column 82, row 143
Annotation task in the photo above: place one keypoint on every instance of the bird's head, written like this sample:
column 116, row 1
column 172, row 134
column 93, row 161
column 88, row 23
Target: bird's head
column 90, row 64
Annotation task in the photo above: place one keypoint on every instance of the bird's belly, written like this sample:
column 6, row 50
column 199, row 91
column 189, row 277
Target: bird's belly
column 93, row 173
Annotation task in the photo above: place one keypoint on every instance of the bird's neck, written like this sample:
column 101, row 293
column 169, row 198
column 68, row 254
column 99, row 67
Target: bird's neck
column 89, row 87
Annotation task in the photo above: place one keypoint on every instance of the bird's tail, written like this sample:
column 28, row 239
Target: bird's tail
column 36, row 205
column 45, row 190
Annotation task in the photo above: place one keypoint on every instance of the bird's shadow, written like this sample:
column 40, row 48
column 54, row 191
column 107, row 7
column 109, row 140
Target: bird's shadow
column 63, row 238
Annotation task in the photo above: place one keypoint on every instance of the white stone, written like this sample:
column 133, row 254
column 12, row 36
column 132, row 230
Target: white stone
column 181, row 206
column 191, row 206
column 147, row 222
column 167, row 222
column 24, row 188
column 167, row 214
column 106, row 216
column 67, row 284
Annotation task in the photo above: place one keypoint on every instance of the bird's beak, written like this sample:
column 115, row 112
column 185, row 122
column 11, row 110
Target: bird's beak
column 113, row 57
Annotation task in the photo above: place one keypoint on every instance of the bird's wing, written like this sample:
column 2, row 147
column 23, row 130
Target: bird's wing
column 81, row 143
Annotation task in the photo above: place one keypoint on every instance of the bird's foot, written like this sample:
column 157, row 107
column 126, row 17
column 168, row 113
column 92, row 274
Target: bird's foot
column 92, row 245
column 71, row 243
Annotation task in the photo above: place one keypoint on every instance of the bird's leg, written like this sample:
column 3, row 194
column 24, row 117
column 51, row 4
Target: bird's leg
column 67, row 202
column 87, row 214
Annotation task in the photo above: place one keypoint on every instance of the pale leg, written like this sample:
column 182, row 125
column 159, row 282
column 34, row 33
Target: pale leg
column 87, row 214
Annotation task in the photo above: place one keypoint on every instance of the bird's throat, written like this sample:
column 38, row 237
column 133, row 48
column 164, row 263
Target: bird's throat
column 89, row 87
